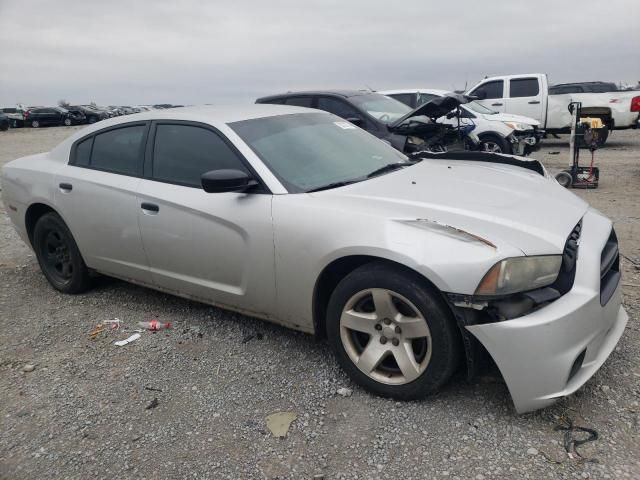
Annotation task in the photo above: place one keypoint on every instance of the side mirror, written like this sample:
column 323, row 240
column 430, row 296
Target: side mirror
column 219, row 181
column 357, row 121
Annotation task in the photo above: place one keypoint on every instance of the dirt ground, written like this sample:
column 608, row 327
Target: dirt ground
column 191, row 402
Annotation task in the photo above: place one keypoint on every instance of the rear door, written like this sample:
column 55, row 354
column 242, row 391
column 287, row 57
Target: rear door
column 491, row 94
column 525, row 97
column 96, row 196
column 216, row 247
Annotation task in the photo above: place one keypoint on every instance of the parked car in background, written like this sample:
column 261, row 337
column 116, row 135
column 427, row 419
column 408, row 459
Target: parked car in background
column 406, row 129
column 583, row 87
column 4, row 122
column 48, row 116
column 323, row 228
column 15, row 115
column 91, row 114
column 498, row 132
column 528, row 95
column 126, row 110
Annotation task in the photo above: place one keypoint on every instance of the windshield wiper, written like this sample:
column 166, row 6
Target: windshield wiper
column 334, row 185
column 389, row 168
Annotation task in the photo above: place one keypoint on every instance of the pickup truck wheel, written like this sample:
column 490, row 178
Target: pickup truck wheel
column 58, row 255
column 392, row 333
column 495, row 144
column 35, row 124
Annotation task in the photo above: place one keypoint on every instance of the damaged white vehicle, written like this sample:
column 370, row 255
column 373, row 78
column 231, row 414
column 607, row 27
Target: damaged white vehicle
column 410, row 269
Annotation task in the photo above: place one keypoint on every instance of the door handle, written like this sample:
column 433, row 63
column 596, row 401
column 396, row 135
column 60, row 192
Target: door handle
column 496, row 104
column 65, row 187
column 151, row 208
column 534, row 102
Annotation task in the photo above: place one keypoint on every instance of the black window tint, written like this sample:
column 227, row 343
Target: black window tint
column 83, row 151
column 299, row 101
column 182, row 153
column 337, row 107
column 523, row 87
column 119, row 151
column 490, row 89
column 406, row 98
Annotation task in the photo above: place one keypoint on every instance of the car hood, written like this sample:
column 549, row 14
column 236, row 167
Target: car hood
column 434, row 109
column 498, row 203
column 507, row 117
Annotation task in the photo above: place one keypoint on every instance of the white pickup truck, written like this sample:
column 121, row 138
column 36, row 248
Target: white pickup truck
column 528, row 95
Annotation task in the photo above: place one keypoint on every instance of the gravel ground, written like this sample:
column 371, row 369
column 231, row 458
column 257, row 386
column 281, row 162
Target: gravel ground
column 83, row 411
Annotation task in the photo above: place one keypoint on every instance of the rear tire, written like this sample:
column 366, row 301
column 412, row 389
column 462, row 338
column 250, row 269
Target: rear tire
column 392, row 333
column 35, row 124
column 67, row 122
column 58, row 255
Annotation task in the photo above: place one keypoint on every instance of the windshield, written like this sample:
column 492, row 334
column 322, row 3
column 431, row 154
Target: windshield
column 307, row 151
column 385, row 109
column 479, row 108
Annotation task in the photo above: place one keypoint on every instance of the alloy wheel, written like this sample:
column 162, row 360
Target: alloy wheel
column 385, row 336
column 492, row 147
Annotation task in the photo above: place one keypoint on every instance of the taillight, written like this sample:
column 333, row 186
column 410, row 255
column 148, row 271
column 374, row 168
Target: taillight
column 635, row 104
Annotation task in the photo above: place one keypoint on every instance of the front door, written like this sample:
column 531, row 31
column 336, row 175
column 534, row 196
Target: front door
column 216, row 247
column 491, row 94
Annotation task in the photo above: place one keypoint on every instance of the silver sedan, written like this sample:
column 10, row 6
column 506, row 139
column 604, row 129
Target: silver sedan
column 410, row 268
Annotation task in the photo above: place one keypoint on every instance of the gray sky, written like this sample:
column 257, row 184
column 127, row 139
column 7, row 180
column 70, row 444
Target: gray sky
column 187, row 51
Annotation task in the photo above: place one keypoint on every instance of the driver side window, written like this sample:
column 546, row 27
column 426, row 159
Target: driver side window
column 339, row 108
column 490, row 90
column 182, row 153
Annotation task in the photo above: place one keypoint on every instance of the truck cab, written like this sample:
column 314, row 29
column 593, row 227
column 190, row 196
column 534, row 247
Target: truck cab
column 516, row 94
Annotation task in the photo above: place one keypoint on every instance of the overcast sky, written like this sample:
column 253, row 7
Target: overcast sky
column 187, row 51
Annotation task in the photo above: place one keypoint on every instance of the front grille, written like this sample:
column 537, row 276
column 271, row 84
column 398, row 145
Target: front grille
column 609, row 268
column 567, row 274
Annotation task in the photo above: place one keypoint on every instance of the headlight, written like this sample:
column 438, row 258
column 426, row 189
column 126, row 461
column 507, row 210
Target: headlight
column 520, row 274
column 518, row 126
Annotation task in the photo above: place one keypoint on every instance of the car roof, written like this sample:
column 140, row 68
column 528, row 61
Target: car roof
column 432, row 91
column 334, row 93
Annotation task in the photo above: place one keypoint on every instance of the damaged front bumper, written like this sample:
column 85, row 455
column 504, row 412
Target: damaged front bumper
column 525, row 143
column 553, row 351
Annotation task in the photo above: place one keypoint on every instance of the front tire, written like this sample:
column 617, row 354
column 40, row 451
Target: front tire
column 392, row 333
column 67, row 122
column 35, row 124
column 58, row 255
column 495, row 144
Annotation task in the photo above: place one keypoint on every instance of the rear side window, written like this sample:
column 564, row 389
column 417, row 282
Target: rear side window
column 523, row 87
column 182, row 153
column 119, row 151
column 83, row 152
column 490, row 90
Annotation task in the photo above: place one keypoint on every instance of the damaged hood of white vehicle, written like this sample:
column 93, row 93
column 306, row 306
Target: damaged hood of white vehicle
column 497, row 203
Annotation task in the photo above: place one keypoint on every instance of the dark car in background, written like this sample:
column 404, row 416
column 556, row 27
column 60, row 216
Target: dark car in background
column 42, row 116
column 4, row 122
column 406, row 129
column 91, row 114
column 583, row 87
